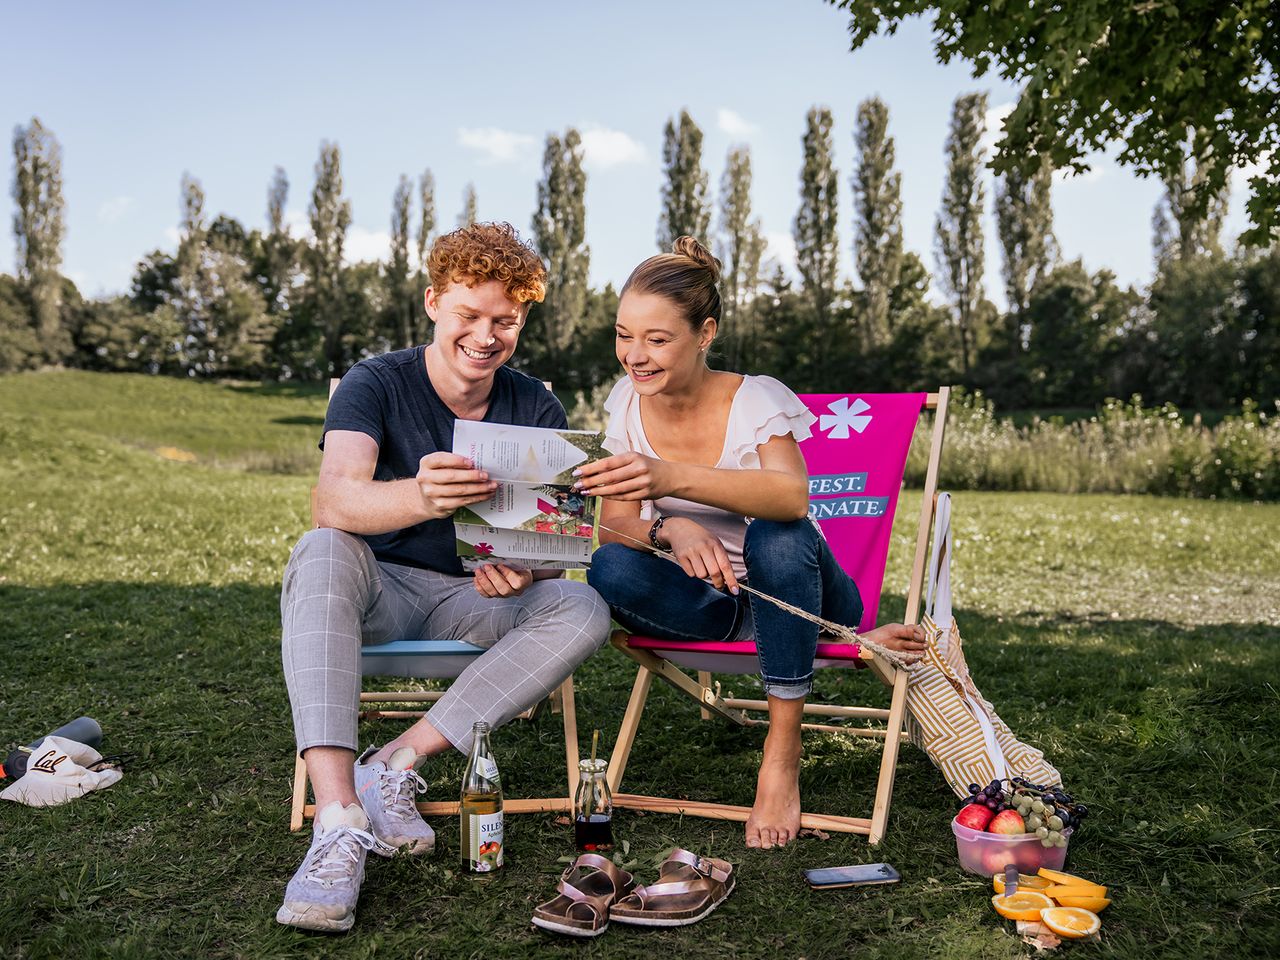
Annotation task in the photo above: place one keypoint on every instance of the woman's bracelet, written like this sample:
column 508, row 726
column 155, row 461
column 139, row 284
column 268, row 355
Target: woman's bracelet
column 653, row 532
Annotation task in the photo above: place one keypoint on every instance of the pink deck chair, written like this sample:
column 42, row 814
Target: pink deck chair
column 856, row 459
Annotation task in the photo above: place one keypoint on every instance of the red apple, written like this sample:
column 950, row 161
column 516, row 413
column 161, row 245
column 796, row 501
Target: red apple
column 975, row 816
column 1007, row 821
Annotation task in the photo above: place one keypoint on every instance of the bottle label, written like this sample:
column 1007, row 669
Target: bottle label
column 487, row 769
column 486, row 842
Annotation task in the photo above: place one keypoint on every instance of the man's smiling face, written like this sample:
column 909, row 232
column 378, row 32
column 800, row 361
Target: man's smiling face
column 476, row 327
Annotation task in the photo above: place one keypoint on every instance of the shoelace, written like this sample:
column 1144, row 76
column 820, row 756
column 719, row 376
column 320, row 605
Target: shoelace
column 398, row 788
column 338, row 849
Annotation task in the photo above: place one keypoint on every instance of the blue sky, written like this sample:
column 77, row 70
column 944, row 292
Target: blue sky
column 139, row 92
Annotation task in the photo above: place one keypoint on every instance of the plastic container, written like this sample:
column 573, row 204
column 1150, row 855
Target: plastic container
column 987, row 854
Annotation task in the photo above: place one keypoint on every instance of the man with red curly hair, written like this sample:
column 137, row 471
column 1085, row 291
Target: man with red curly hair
column 381, row 565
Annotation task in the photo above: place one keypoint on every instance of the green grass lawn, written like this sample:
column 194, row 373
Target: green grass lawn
column 1131, row 638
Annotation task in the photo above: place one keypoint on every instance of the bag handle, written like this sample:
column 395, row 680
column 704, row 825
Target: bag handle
column 938, row 598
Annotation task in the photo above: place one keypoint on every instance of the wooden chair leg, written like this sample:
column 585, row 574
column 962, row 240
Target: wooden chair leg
column 627, row 732
column 889, row 759
column 704, row 680
column 570, row 713
column 299, row 793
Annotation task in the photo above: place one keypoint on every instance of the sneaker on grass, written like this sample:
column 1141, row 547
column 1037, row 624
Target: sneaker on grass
column 322, row 895
column 387, row 791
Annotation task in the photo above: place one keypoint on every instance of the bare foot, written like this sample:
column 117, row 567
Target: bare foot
column 775, row 816
column 900, row 637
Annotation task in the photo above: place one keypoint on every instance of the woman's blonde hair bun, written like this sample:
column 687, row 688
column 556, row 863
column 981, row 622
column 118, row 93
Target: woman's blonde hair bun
column 687, row 246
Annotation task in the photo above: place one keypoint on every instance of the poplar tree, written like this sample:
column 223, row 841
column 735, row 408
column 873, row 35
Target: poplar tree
column 399, row 283
column 195, row 286
column 1186, row 224
column 686, row 208
column 281, row 255
column 426, row 236
column 1024, row 222
column 330, row 218
column 958, row 231
column 877, row 210
column 559, row 232
column 817, row 243
column 469, row 211
column 38, row 229
column 741, row 250
column 426, row 217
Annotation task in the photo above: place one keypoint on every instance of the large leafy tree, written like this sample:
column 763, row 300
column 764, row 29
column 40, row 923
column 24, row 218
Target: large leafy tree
column 38, row 228
column 686, row 209
column 877, row 213
column 1138, row 74
column 958, row 241
column 560, row 234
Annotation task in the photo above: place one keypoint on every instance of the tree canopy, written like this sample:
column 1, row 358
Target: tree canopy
column 1158, row 78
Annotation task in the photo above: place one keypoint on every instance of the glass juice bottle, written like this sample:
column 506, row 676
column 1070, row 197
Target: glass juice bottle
column 481, row 811
column 593, row 807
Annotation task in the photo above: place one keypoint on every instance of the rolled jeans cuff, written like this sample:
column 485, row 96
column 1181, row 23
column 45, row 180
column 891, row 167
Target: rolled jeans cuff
column 788, row 691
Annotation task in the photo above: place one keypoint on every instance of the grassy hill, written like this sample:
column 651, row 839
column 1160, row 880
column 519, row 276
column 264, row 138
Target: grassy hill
column 1131, row 638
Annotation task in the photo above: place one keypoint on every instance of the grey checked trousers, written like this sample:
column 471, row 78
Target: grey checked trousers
column 337, row 596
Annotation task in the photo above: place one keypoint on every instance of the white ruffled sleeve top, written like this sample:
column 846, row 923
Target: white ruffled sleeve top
column 762, row 408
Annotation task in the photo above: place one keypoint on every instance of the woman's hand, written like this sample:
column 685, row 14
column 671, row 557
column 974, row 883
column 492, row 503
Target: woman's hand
column 700, row 553
column 495, row 580
column 627, row 476
column 900, row 637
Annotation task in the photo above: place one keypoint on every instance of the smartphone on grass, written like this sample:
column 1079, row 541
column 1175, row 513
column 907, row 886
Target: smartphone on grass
column 858, row 875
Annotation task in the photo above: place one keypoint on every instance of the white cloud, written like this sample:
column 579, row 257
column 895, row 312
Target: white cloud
column 173, row 235
column 603, row 148
column 115, row 208
column 995, row 118
column 364, row 244
column 494, row 145
column 733, row 124
column 782, row 247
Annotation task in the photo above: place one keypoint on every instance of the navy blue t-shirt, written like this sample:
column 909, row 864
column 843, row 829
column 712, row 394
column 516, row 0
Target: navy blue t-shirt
column 391, row 399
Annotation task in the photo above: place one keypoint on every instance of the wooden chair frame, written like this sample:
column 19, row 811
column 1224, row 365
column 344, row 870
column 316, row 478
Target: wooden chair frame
column 738, row 711
column 398, row 658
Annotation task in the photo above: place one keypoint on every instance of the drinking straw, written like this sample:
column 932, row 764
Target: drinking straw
column 595, row 740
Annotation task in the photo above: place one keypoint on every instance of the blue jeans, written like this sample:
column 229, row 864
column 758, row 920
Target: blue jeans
column 650, row 595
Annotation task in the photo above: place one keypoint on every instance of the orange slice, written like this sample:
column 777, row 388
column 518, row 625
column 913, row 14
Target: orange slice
column 1071, row 923
column 1025, row 882
column 1057, row 891
column 1065, row 879
column 1022, row 906
column 1093, row 904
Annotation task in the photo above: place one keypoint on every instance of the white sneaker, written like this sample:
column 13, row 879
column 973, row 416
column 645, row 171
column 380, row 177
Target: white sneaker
column 387, row 791
column 322, row 895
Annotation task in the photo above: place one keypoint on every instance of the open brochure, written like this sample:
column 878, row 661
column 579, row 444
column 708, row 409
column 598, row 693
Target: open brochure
column 535, row 519
column 526, row 454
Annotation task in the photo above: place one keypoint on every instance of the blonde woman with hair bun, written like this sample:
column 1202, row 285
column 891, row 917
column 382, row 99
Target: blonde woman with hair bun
column 706, row 466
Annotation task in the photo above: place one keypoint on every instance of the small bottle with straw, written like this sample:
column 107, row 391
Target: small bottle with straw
column 593, row 804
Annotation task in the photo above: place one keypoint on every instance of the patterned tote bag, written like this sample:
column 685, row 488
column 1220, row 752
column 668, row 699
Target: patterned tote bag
column 947, row 716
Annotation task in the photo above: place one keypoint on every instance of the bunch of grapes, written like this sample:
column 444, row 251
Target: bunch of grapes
column 994, row 796
column 1049, row 812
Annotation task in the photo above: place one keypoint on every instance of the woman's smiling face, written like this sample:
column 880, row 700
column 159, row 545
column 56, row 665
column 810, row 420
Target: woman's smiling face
column 655, row 345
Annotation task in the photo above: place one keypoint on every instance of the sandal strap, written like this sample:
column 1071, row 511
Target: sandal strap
column 601, row 865
column 672, row 888
column 599, row 906
column 703, row 865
